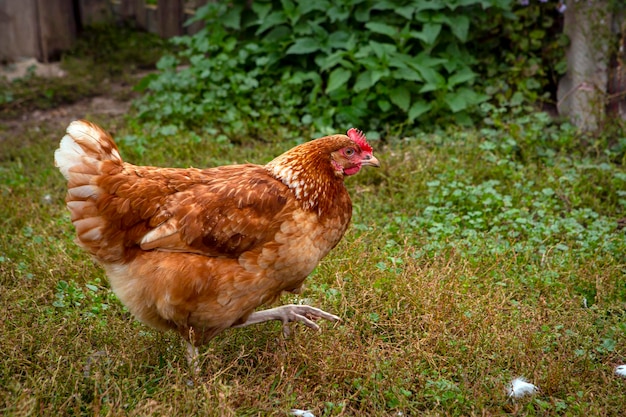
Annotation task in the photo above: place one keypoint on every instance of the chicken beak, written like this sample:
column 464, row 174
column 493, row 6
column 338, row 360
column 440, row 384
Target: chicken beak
column 370, row 160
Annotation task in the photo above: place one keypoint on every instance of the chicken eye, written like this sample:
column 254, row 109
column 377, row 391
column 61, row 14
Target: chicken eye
column 349, row 152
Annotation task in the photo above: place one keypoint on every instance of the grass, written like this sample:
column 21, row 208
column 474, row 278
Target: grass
column 442, row 306
column 475, row 256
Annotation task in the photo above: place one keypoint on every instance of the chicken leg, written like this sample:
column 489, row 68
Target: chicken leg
column 191, row 354
column 290, row 313
column 286, row 314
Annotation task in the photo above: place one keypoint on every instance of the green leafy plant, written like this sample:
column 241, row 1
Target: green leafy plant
column 91, row 301
column 320, row 65
column 521, row 54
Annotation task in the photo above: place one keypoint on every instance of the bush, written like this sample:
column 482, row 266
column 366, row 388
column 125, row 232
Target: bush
column 375, row 64
column 521, row 60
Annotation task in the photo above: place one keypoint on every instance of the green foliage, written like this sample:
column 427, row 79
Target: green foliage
column 503, row 208
column 320, row 65
column 521, row 59
column 90, row 302
column 468, row 214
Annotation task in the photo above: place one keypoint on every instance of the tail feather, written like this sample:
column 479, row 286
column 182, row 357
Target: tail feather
column 82, row 153
column 84, row 147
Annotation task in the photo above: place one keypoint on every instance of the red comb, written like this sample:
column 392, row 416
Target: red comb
column 357, row 136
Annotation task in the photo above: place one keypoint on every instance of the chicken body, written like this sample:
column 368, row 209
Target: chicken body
column 199, row 250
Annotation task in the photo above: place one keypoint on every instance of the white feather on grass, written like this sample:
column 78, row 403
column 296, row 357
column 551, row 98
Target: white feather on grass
column 621, row 371
column 519, row 387
column 301, row 413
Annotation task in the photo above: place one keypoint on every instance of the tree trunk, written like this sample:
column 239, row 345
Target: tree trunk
column 582, row 93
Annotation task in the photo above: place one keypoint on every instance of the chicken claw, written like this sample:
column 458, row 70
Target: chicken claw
column 290, row 313
column 191, row 353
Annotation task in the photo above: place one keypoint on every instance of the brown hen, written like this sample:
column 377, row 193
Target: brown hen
column 198, row 250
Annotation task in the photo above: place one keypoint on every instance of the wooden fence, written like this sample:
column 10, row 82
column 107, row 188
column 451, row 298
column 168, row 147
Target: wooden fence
column 44, row 28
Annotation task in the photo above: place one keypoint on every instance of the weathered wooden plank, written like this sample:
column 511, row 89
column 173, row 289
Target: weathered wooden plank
column 36, row 28
column 95, row 11
column 127, row 9
column 57, row 27
column 141, row 14
column 152, row 24
column 170, row 17
column 19, row 30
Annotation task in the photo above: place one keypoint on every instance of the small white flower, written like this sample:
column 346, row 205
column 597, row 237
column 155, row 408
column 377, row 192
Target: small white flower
column 520, row 387
column 301, row 413
column 621, row 370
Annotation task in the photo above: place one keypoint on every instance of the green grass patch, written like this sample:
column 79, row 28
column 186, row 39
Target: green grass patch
column 474, row 257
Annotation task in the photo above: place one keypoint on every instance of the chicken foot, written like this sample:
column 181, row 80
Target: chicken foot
column 286, row 314
column 290, row 313
column 191, row 353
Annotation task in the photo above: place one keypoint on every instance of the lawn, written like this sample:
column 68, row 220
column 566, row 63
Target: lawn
column 476, row 255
